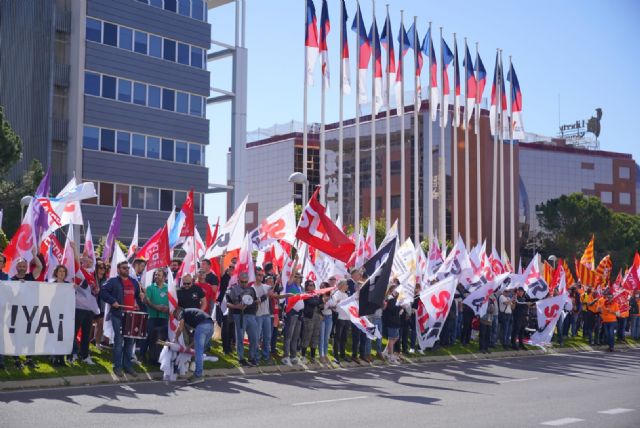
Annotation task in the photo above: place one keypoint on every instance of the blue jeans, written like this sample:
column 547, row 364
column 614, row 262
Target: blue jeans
column 493, row 336
column 122, row 346
column 249, row 324
column 609, row 329
column 635, row 326
column 505, row 321
column 574, row 323
column 201, row 338
column 325, row 334
column 265, row 328
column 622, row 326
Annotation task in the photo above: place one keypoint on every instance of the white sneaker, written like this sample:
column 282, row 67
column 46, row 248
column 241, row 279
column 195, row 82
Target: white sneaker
column 89, row 361
column 286, row 361
column 302, row 360
column 210, row 358
column 412, row 351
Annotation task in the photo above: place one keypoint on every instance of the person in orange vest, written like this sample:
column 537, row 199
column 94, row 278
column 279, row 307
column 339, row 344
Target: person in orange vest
column 610, row 311
column 623, row 318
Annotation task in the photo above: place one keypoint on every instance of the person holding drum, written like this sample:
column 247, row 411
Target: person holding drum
column 123, row 294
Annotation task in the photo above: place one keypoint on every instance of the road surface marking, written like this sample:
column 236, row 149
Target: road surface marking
column 615, row 411
column 563, row 421
column 517, row 380
column 305, row 403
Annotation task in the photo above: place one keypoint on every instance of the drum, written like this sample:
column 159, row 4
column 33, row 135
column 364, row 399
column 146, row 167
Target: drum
column 135, row 325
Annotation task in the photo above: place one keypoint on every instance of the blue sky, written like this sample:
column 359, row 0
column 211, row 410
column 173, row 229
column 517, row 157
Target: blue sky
column 583, row 53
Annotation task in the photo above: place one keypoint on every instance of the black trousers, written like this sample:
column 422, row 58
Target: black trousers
column 228, row 333
column 84, row 319
column 467, row 318
column 518, row 331
column 340, row 339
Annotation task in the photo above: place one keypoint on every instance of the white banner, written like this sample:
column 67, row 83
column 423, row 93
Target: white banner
column 549, row 311
column 351, row 307
column 36, row 318
column 433, row 311
column 404, row 268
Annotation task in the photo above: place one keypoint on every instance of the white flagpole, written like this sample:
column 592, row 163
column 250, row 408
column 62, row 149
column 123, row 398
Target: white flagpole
column 429, row 183
column 416, row 151
column 340, row 121
column 478, row 155
column 372, row 201
column 501, row 148
column 304, row 120
column 400, row 109
column 454, row 146
column 494, row 189
column 322, row 148
column 467, row 191
column 356, row 178
column 442, row 176
column 514, row 209
column 388, row 123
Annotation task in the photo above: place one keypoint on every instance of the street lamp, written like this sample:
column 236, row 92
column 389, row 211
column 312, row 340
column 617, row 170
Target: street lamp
column 553, row 259
column 300, row 178
column 24, row 202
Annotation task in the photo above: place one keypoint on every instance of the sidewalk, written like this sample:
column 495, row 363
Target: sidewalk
column 264, row 370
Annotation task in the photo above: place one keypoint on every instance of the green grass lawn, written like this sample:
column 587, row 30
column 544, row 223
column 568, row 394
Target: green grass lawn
column 102, row 360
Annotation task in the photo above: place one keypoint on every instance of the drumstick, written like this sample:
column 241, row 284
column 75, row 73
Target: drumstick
column 126, row 307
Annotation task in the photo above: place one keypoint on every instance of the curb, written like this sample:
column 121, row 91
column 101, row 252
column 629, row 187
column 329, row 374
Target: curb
column 101, row 379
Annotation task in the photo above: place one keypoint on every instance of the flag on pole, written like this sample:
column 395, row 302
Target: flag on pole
column 588, row 259
column 471, row 83
column 387, row 42
column 88, row 250
column 325, row 27
column 133, row 248
column 414, row 43
column 231, row 234
column 429, row 51
column 604, row 270
column 378, row 269
column 344, row 53
column 113, row 233
column 493, row 111
column 40, row 216
column 364, row 49
column 482, row 80
column 516, row 105
column 456, row 86
column 374, row 40
column 405, row 44
column 156, row 250
column 311, row 41
column 187, row 211
column 447, row 58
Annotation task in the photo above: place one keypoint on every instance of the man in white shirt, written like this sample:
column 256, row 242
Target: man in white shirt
column 505, row 319
column 263, row 315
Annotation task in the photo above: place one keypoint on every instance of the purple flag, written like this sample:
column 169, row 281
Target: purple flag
column 40, row 218
column 114, row 231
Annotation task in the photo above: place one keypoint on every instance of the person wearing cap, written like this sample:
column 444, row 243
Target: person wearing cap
column 520, row 313
column 610, row 311
column 202, row 324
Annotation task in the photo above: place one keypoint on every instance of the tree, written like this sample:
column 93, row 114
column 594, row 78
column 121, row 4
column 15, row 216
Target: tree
column 10, row 145
column 11, row 193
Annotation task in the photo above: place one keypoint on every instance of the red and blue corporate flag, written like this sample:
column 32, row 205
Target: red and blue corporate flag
column 456, row 85
column 414, row 43
column 405, row 44
column 325, row 27
column 493, row 110
column 311, row 41
column 447, row 58
column 364, row 54
column 374, row 41
column 481, row 79
column 387, row 41
column 471, row 83
column 429, row 51
column 517, row 124
column 344, row 53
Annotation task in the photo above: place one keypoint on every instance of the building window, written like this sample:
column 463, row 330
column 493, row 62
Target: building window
column 154, row 96
column 155, row 46
column 625, row 198
column 110, row 34
column 606, row 197
column 109, row 87
column 106, row 194
column 107, row 140
column 196, row 57
column 184, row 7
column 137, row 197
column 153, row 147
column 140, row 94
column 396, row 166
column 181, row 152
column 170, row 5
column 152, row 199
column 91, row 138
column 625, row 172
column 124, row 90
column 124, row 145
column 94, row 30
column 194, row 154
column 169, row 50
column 197, row 10
column 166, row 200
column 167, row 149
column 137, row 145
column 182, row 103
column 91, row 83
column 140, row 42
column 168, row 99
column 122, row 192
column 196, row 106
column 180, row 197
column 156, row 3
column 587, row 165
column 126, row 38
column 183, row 53
column 395, row 202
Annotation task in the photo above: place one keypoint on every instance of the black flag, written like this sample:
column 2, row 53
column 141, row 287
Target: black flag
column 378, row 270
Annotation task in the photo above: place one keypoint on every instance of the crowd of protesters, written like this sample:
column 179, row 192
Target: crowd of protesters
column 257, row 311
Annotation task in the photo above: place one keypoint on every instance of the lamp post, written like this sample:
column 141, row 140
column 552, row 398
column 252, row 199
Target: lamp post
column 24, row 202
column 300, row 178
column 553, row 259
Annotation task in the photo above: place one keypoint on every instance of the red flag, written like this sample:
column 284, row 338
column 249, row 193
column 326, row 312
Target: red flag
column 189, row 221
column 212, row 235
column 156, row 250
column 317, row 230
column 291, row 301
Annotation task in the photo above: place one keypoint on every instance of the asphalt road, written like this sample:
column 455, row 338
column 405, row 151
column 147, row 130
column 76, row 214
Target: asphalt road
column 582, row 390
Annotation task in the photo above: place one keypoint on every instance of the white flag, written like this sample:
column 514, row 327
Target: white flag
column 231, row 235
column 435, row 305
column 351, row 307
column 549, row 311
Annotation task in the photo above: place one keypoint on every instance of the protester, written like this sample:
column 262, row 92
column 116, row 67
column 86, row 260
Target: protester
column 210, row 276
column 520, row 317
column 242, row 302
column 123, row 294
column 210, row 290
column 312, row 319
column 342, row 323
column 327, row 321
column 225, row 318
column 190, row 296
column 264, row 317
column 634, row 315
column 86, row 310
column 202, row 324
column 392, row 317
column 157, row 301
column 505, row 307
column 100, row 275
column 292, row 322
column 486, row 322
column 610, row 311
